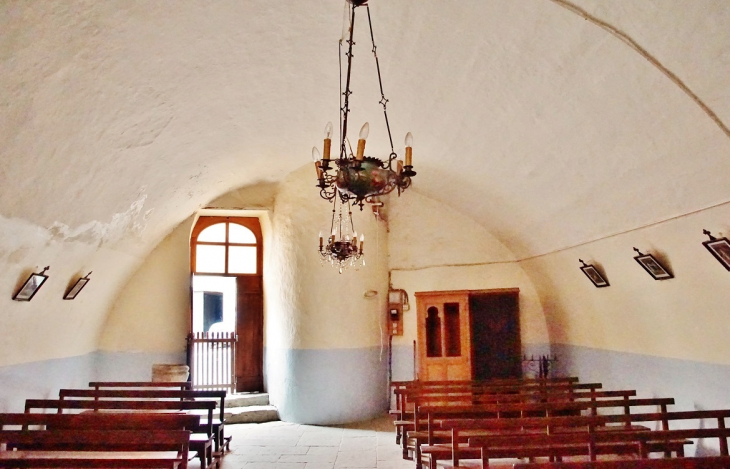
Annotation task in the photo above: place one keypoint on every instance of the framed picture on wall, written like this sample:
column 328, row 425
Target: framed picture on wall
column 31, row 286
column 652, row 265
column 77, row 287
column 594, row 275
column 720, row 248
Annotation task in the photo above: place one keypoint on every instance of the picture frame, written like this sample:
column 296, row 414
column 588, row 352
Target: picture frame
column 719, row 248
column 652, row 266
column 31, row 286
column 594, row 275
column 73, row 292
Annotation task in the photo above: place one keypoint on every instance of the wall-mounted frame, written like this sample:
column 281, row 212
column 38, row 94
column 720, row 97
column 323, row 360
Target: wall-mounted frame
column 594, row 275
column 31, row 286
column 653, row 266
column 720, row 248
column 77, row 287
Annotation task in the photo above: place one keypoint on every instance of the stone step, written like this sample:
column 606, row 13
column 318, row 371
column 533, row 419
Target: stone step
column 247, row 399
column 251, row 414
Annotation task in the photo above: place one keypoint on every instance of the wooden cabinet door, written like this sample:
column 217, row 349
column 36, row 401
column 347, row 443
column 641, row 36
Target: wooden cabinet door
column 444, row 336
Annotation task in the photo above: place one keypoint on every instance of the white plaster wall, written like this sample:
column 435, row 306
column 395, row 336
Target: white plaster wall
column 152, row 312
column 49, row 327
column 684, row 317
column 434, row 247
column 313, row 306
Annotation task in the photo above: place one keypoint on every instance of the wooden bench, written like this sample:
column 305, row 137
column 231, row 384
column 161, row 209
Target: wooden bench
column 638, row 443
column 553, row 396
column 461, row 430
column 101, row 421
column 181, row 385
column 221, row 441
column 201, row 444
column 523, row 409
column 707, row 462
column 412, row 397
column 95, row 448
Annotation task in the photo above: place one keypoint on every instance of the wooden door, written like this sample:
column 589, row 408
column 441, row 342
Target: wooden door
column 444, row 338
column 250, row 330
column 496, row 347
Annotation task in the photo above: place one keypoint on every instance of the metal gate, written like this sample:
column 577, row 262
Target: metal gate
column 212, row 358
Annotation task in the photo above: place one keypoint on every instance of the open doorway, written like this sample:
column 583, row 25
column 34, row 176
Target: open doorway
column 226, row 337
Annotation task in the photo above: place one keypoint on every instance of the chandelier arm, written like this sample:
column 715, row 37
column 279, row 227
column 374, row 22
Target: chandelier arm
column 346, row 107
column 383, row 99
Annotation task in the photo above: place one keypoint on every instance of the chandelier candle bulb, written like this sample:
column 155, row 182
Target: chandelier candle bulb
column 318, row 167
column 364, row 132
column 327, row 141
column 409, row 149
column 362, row 242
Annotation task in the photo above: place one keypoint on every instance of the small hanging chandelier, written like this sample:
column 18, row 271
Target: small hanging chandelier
column 357, row 179
column 342, row 248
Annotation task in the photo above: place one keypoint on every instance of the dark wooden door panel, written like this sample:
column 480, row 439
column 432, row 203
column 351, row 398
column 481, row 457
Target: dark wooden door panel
column 250, row 330
column 495, row 335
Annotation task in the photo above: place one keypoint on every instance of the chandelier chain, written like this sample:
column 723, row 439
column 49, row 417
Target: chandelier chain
column 383, row 99
column 347, row 93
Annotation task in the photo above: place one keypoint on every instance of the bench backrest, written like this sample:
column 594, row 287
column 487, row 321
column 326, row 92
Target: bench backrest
column 102, row 421
column 708, row 462
column 124, row 405
column 98, row 440
column 146, row 394
column 641, row 437
column 181, row 385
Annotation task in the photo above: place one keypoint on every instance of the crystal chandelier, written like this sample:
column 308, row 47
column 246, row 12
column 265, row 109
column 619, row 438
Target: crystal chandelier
column 342, row 248
column 356, row 179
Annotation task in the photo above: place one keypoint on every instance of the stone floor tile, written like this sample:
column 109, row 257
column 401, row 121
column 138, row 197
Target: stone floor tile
column 273, row 441
column 319, row 465
column 274, row 465
column 309, row 457
column 317, row 439
column 358, row 442
column 358, row 458
column 279, row 450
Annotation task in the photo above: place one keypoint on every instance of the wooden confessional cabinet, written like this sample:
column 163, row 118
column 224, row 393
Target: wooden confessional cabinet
column 468, row 334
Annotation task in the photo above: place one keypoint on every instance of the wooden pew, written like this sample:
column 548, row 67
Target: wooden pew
column 101, row 421
column 95, row 448
column 706, row 462
column 548, row 409
column 203, row 446
column 412, row 397
column 221, row 441
column 462, row 429
column 181, row 385
column 638, row 443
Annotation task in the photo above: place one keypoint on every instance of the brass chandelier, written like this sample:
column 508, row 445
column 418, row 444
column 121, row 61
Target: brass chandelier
column 356, row 179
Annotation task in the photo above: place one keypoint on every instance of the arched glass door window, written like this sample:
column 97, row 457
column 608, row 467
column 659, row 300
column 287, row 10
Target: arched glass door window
column 226, row 248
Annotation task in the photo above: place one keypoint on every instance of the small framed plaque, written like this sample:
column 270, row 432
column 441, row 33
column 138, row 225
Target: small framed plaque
column 31, row 286
column 77, row 287
column 594, row 275
column 652, row 265
column 720, row 248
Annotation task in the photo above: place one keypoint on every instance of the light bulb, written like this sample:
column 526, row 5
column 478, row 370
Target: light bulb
column 365, row 131
column 328, row 130
column 354, row 235
column 409, row 139
column 362, row 237
column 315, row 154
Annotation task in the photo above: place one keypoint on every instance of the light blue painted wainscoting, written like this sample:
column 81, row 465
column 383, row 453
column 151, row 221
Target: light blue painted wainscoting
column 43, row 379
column 693, row 385
column 327, row 386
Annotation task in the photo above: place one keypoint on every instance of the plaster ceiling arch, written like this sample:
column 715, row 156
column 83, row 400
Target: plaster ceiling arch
column 541, row 126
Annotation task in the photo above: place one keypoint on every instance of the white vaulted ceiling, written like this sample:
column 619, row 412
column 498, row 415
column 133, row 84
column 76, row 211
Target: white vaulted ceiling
column 549, row 123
